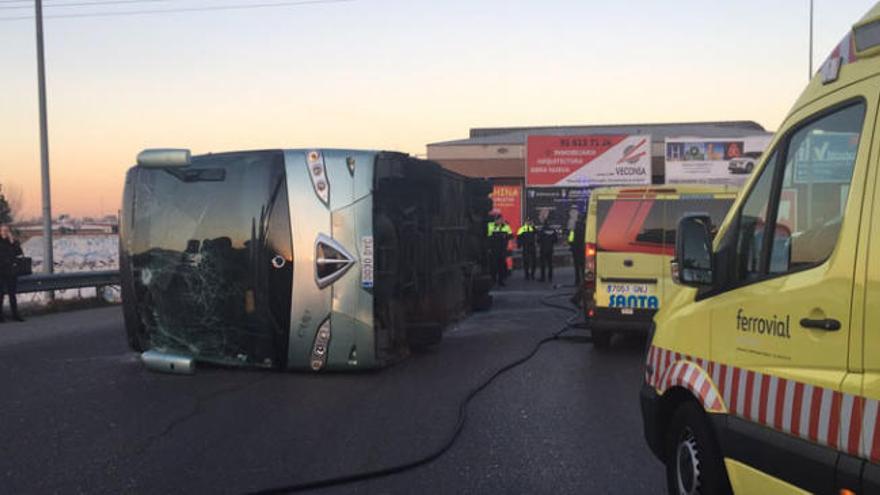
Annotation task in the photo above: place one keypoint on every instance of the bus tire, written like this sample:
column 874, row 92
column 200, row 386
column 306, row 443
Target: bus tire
column 601, row 339
column 693, row 460
column 483, row 302
column 422, row 336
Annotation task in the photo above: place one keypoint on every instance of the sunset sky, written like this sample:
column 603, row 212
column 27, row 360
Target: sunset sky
column 387, row 74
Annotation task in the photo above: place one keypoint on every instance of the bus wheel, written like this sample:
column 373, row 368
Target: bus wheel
column 693, row 461
column 601, row 339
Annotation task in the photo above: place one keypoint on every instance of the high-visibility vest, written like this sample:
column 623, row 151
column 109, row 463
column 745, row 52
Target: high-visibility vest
column 571, row 236
column 493, row 228
column 525, row 228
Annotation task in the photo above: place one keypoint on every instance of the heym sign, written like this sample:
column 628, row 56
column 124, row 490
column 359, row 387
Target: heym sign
column 588, row 160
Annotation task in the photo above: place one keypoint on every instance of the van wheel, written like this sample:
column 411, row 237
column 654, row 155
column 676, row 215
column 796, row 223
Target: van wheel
column 601, row 339
column 693, row 461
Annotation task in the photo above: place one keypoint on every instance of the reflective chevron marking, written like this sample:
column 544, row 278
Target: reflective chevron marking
column 845, row 422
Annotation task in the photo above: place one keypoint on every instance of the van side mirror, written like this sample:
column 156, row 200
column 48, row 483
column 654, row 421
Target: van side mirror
column 692, row 264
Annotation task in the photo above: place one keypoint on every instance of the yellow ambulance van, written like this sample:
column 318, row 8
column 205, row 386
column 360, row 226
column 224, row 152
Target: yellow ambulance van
column 630, row 242
column 763, row 374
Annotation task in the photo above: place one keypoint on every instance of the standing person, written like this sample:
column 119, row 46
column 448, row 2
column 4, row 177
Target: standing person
column 10, row 249
column 547, row 239
column 499, row 234
column 525, row 240
column 576, row 242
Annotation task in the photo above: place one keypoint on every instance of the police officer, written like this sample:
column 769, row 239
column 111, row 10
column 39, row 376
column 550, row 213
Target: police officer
column 547, row 239
column 525, row 240
column 499, row 234
column 576, row 242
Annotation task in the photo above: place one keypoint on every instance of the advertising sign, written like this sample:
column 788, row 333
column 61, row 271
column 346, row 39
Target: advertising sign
column 713, row 161
column 826, row 158
column 507, row 200
column 589, row 160
column 559, row 206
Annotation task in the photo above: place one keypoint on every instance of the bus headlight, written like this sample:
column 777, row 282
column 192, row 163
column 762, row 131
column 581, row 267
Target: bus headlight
column 321, row 346
column 318, row 174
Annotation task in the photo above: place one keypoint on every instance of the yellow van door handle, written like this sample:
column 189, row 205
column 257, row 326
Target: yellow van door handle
column 627, row 263
column 827, row 324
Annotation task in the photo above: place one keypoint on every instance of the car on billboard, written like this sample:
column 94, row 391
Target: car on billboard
column 744, row 164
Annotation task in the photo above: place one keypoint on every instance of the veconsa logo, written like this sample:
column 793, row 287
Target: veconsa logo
column 631, row 171
column 633, row 153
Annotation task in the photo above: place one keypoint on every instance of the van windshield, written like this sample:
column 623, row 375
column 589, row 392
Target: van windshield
column 648, row 225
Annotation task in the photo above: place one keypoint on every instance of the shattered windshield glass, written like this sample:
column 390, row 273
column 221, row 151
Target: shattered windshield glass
column 211, row 254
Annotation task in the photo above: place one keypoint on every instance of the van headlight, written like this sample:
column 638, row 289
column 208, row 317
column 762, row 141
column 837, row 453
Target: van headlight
column 321, row 346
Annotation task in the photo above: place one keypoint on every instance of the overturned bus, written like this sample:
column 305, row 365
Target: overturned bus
column 298, row 259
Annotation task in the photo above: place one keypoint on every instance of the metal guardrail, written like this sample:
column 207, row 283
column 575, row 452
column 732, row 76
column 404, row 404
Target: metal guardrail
column 40, row 282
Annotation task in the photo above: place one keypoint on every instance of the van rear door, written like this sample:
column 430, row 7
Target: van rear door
column 630, row 252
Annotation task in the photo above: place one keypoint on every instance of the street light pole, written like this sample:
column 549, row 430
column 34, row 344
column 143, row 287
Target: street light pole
column 48, row 259
column 810, row 74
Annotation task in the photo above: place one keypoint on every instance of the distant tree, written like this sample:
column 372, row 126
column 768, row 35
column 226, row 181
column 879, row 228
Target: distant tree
column 5, row 210
column 15, row 198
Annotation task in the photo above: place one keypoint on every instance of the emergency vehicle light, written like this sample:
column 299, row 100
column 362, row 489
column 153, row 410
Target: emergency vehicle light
column 164, row 157
column 867, row 37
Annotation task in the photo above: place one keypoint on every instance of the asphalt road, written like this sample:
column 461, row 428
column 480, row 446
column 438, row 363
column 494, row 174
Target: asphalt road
column 79, row 413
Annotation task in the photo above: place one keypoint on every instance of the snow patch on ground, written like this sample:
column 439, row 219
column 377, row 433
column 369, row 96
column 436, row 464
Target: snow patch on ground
column 75, row 253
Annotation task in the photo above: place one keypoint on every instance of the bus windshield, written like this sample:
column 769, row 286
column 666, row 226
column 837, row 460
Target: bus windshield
column 204, row 238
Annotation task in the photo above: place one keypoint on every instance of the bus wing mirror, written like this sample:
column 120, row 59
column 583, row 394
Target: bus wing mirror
column 164, row 157
column 693, row 262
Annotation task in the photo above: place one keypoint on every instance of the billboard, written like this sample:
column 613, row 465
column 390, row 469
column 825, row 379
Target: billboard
column 588, row 160
column 826, row 158
column 727, row 161
column 507, row 200
column 558, row 206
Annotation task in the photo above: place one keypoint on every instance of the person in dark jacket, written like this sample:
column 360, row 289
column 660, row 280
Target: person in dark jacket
column 577, row 242
column 10, row 249
column 499, row 233
column 525, row 240
column 547, row 239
